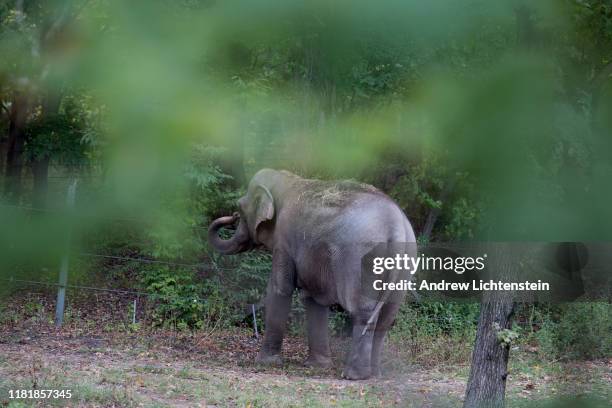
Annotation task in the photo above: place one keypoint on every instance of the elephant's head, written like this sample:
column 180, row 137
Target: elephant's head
column 256, row 214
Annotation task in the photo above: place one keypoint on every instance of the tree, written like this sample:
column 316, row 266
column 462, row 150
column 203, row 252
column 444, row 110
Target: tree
column 489, row 369
column 33, row 97
column 15, row 145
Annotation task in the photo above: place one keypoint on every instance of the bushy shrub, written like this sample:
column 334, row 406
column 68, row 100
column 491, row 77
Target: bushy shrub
column 577, row 331
column 244, row 276
column 431, row 319
column 420, row 185
column 434, row 333
column 194, row 297
column 340, row 322
column 183, row 302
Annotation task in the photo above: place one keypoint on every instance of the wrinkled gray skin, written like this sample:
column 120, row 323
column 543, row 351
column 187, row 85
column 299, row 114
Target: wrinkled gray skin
column 318, row 232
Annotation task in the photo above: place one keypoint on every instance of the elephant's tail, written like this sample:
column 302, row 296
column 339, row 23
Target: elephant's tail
column 374, row 316
column 394, row 277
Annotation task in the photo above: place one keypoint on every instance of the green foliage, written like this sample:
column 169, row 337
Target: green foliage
column 185, row 298
column 212, row 293
column 460, row 219
column 340, row 323
column 248, row 278
column 474, row 120
column 64, row 136
column 425, row 184
column 212, row 192
column 184, row 213
column 505, row 337
column 435, row 333
column 181, row 301
column 577, row 331
column 432, row 319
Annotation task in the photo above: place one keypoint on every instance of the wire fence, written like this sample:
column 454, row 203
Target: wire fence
column 138, row 306
column 200, row 265
column 135, row 298
column 69, row 210
column 137, row 295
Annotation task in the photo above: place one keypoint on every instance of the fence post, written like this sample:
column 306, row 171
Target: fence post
column 255, row 321
column 134, row 312
column 63, row 273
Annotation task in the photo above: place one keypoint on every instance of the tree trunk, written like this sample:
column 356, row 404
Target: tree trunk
column 486, row 387
column 15, row 146
column 40, row 165
column 433, row 215
column 487, row 383
column 3, row 147
column 40, row 173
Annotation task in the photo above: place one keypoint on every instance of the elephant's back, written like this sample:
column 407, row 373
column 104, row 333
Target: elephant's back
column 378, row 218
column 317, row 194
column 343, row 213
column 347, row 211
column 331, row 241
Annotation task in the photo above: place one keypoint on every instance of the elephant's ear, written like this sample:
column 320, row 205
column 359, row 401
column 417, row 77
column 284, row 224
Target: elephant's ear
column 264, row 207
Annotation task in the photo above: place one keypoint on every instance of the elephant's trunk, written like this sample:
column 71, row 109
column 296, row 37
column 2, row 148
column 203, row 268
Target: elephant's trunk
column 238, row 243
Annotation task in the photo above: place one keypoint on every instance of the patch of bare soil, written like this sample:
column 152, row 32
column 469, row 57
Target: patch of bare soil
column 107, row 364
column 165, row 369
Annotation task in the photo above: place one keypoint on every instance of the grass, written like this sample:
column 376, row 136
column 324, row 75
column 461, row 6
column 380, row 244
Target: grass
column 84, row 394
column 108, row 365
column 117, row 378
column 164, row 376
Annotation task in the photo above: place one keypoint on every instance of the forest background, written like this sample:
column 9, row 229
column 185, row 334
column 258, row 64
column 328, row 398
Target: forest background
column 482, row 120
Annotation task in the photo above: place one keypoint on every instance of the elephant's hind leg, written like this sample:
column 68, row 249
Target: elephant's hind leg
column 385, row 321
column 359, row 364
column 319, row 354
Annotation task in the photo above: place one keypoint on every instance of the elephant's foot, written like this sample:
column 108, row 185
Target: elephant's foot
column 318, row 361
column 269, row 359
column 357, row 372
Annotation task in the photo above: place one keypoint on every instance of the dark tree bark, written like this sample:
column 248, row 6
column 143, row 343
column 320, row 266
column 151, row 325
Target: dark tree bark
column 489, row 370
column 3, row 135
column 486, row 385
column 50, row 103
column 40, row 173
column 15, row 147
column 40, row 165
column 487, row 382
column 3, row 146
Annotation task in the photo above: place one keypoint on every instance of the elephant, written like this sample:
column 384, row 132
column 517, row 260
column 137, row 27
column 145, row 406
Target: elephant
column 318, row 233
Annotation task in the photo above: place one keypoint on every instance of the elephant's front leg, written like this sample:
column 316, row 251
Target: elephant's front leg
column 277, row 312
column 319, row 354
column 278, row 305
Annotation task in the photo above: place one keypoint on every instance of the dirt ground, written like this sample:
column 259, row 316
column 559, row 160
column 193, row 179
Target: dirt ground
column 161, row 369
